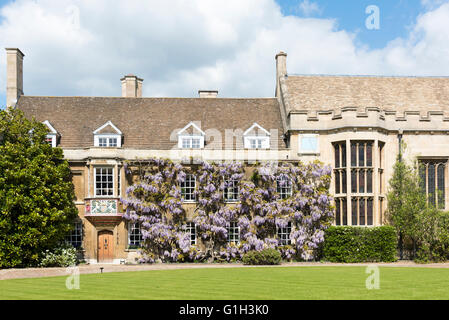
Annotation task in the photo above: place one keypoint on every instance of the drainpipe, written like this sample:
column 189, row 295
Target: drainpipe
column 401, row 247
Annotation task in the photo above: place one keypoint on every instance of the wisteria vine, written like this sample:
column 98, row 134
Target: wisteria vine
column 155, row 202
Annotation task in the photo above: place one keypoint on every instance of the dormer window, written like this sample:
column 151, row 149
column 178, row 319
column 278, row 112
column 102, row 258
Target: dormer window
column 108, row 136
column 191, row 137
column 52, row 135
column 256, row 137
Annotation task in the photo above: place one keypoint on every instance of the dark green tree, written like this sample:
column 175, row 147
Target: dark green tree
column 406, row 202
column 36, row 191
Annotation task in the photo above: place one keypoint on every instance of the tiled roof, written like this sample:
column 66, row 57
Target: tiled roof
column 320, row 92
column 152, row 123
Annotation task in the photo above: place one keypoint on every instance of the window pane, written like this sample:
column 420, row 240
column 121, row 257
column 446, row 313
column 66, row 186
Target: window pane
column 354, row 212
column 422, row 177
column 362, row 212
column 343, row 182
column 337, row 155
column 309, row 143
column 353, row 181
column 345, row 212
column 369, row 181
column 431, row 183
column 441, row 186
column 353, row 154
column 369, row 154
column 337, row 212
column 361, row 181
column 369, row 212
column 337, row 181
column 361, row 155
column 343, row 155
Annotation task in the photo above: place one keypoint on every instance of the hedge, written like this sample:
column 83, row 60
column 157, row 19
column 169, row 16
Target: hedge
column 264, row 257
column 360, row 244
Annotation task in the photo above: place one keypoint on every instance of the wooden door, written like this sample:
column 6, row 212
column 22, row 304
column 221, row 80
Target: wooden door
column 105, row 246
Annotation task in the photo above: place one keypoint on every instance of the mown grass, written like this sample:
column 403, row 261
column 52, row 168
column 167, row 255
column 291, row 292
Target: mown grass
column 268, row 283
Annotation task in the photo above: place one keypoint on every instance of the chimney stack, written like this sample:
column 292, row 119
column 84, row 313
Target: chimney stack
column 208, row 93
column 131, row 86
column 14, row 75
column 281, row 69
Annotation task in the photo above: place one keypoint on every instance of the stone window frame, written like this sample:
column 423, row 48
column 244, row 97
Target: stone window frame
column 190, row 229
column 439, row 188
column 233, row 232
column 75, row 237
column 134, row 232
column 95, row 182
column 284, row 234
column 231, row 190
column 189, row 190
column 285, row 192
column 346, row 198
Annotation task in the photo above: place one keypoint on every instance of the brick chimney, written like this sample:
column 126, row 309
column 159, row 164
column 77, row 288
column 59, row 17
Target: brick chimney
column 208, row 93
column 14, row 75
column 281, row 69
column 131, row 86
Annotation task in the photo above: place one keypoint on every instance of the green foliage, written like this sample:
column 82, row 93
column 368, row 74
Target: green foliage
column 263, row 257
column 360, row 244
column 406, row 201
column 63, row 256
column 433, row 236
column 36, row 192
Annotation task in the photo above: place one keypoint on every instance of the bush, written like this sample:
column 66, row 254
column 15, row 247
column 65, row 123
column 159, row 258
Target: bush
column 360, row 244
column 63, row 256
column 433, row 236
column 264, row 257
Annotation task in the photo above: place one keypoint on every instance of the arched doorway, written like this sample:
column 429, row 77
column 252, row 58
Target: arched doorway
column 105, row 246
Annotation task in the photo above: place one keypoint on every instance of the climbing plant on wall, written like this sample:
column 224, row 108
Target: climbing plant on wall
column 267, row 196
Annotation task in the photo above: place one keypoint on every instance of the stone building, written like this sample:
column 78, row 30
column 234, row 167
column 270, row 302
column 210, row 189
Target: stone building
column 356, row 124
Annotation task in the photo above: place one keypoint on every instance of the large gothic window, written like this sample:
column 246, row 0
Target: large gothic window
column 354, row 173
column 432, row 174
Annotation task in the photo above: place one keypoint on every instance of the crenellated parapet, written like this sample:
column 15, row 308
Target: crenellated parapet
column 371, row 117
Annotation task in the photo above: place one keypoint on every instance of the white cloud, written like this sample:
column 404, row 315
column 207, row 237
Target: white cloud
column 179, row 47
column 309, row 8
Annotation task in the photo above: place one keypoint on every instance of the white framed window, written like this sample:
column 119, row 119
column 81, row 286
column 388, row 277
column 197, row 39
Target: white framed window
column 75, row 237
column 256, row 137
column 104, row 181
column 119, row 182
column 284, row 187
column 134, row 235
column 191, row 137
column 190, row 229
column 231, row 191
column 233, row 232
column 107, row 141
column 191, row 142
column 188, row 188
column 308, row 143
column 52, row 136
column 108, row 136
column 284, row 234
column 50, row 139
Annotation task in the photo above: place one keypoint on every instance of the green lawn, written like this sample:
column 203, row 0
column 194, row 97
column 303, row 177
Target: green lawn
column 240, row 283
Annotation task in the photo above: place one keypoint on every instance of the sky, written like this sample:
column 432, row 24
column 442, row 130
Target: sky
column 83, row 48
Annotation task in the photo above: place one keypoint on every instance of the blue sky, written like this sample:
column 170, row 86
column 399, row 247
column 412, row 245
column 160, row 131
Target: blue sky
column 84, row 47
column 397, row 16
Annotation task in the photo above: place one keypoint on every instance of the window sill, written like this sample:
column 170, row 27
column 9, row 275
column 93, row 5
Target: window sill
column 317, row 154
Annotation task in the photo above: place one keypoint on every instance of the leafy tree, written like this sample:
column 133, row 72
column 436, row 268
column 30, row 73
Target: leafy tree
column 406, row 202
column 36, row 192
